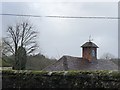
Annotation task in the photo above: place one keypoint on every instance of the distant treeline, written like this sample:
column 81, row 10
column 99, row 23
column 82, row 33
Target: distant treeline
column 34, row 62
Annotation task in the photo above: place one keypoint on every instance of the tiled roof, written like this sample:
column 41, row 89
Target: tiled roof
column 89, row 44
column 76, row 63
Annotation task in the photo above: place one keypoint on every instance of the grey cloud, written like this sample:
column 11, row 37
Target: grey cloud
column 60, row 36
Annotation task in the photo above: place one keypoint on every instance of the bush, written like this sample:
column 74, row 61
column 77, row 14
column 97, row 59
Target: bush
column 21, row 59
column 60, row 79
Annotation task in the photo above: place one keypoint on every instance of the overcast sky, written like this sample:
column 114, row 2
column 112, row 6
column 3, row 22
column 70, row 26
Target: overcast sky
column 64, row 36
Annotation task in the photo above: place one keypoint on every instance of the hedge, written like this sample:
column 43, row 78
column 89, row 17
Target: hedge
column 60, row 79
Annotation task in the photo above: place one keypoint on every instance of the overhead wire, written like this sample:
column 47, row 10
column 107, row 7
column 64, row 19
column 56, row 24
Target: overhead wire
column 52, row 16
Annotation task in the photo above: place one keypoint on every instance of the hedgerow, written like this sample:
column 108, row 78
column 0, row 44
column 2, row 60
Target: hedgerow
column 60, row 79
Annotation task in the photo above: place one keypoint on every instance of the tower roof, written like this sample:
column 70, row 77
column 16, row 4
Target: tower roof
column 89, row 44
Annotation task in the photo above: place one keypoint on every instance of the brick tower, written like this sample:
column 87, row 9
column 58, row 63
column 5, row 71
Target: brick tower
column 89, row 51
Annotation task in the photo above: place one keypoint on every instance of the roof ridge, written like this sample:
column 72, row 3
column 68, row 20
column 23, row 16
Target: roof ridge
column 70, row 56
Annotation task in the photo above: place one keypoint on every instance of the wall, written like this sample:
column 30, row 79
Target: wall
column 87, row 54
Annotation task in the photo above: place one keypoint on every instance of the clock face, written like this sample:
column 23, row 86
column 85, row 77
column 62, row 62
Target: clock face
column 93, row 53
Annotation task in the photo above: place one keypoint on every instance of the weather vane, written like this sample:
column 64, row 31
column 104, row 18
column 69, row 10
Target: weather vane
column 90, row 39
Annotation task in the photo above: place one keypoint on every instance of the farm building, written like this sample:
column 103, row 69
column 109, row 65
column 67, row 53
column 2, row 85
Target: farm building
column 88, row 61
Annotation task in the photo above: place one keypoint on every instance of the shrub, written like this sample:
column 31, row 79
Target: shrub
column 60, row 79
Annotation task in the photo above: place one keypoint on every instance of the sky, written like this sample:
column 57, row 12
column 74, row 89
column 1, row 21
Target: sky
column 64, row 36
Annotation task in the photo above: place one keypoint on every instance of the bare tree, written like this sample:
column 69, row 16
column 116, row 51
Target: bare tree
column 20, row 35
column 107, row 56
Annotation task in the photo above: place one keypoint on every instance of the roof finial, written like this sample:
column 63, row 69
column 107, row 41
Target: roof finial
column 90, row 39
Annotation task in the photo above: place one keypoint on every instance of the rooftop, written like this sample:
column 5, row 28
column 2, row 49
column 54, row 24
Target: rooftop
column 89, row 44
column 76, row 63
